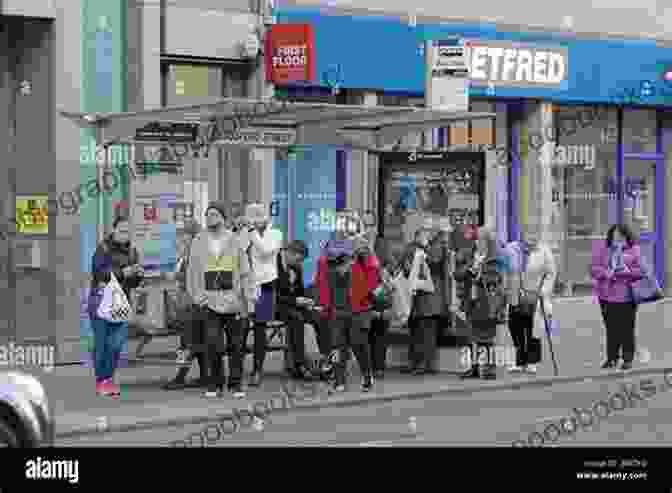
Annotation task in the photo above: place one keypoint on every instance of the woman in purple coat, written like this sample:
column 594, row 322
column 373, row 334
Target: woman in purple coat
column 616, row 265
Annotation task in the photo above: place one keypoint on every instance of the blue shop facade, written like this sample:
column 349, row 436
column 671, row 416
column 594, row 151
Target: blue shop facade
column 602, row 102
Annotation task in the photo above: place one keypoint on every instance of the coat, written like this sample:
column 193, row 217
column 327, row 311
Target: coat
column 365, row 279
column 614, row 287
column 111, row 257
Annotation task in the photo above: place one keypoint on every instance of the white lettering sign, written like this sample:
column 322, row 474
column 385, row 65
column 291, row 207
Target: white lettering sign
column 258, row 137
column 517, row 64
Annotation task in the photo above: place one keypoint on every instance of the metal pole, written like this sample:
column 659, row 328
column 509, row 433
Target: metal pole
column 11, row 78
column 101, row 166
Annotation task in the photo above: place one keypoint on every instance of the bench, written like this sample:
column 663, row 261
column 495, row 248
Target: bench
column 276, row 335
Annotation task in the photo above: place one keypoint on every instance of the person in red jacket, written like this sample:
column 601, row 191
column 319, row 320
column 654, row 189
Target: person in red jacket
column 347, row 273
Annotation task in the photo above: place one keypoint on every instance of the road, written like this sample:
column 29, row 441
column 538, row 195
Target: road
column 484, row 418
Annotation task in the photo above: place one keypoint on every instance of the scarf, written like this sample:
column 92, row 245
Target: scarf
column 616, row 260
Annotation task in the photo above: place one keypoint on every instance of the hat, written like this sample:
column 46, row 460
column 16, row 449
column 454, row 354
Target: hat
column 191, row 227
column 298, row 246
column 219, row 205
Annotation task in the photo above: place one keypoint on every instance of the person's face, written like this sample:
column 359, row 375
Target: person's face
column 121, row 232
column 294, row 258
column 618, row 236
column 214, row 219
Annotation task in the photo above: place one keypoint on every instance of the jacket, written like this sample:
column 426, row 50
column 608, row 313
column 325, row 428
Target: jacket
column 614, row 287
column 111, row 257
column 540, row 262
column 365, row 279
column 286, row 291
column 224, row 281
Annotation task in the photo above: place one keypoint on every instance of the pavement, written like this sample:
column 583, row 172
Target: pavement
column 144, row 406
column 493, row 418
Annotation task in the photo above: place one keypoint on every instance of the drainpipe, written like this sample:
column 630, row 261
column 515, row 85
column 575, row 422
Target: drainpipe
column 12, row 77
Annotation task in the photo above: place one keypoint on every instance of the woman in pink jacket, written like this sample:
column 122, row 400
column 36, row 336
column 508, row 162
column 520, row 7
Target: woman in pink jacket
column 616, row 265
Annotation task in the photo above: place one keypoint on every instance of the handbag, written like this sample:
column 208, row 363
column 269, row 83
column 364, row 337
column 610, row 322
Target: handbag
column 114, row 306
column 402, row 299
column 647, row 289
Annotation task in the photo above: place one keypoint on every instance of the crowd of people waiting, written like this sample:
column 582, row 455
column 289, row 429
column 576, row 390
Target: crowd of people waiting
column 237, row 275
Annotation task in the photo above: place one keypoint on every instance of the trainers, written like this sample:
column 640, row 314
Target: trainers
column 608, row 365
column 238, row 392
column 626, row 366
column 211, row 393
column 515, row 369
column 531, row 369
column 338, row 388
column 367, row 383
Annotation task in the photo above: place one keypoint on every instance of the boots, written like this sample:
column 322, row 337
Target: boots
column 473, row 372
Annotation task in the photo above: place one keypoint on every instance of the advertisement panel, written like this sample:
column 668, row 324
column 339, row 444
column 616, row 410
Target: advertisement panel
column 290, row 52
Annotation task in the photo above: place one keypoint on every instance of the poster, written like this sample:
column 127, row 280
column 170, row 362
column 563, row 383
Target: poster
column 156, row 199
column 32, row 216
column 311, row 187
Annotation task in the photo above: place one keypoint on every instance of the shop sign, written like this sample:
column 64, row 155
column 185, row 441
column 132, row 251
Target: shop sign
column 259, row 137
column 291, row 53
column 167, row 132
column 512, row 64
column 448, row 75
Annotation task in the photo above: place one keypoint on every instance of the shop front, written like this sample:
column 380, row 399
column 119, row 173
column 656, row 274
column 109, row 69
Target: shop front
column 580, row 126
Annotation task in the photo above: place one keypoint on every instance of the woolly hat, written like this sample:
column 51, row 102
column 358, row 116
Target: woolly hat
column 191, row 227
column 220, row 206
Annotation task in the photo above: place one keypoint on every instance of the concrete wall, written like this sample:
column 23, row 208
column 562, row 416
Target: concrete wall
column 68, row 90
column 648, row 18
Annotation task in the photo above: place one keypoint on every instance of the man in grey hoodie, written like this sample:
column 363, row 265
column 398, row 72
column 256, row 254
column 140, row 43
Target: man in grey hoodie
column 219, row 282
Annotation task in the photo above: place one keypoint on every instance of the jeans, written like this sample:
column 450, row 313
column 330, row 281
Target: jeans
column 378, row 343
column 619, row 320
column 216, row 326
column 296, row 320
column 351, row 332
column 109, row 339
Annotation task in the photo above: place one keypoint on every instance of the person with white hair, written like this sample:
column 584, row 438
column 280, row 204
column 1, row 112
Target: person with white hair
column 263, row 244
column 483, row 296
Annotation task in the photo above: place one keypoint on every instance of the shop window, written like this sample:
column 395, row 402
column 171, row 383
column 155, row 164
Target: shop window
column 639, row 130
column 584, row 202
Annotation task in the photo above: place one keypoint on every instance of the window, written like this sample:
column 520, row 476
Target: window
column 639, row 130
column 584, row 201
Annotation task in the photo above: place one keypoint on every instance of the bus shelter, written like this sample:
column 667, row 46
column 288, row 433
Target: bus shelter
column 259, row 123
column 270, row 123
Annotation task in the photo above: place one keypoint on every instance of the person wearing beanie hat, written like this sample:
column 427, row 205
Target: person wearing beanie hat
column 347, row 275
column 218, row 281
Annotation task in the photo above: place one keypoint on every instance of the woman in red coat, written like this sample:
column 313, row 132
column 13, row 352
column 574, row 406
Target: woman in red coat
column 347, row 274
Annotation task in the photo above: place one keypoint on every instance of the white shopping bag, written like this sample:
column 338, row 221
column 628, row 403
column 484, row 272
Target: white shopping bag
column 114, row 307
column 420, row 276
column 402, row 298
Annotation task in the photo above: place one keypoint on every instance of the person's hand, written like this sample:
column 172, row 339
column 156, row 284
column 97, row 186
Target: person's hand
column 202, row 301
column 139, row 270
column 128, row 271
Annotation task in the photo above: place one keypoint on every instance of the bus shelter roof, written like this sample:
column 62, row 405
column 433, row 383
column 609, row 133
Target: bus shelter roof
column 234, row 113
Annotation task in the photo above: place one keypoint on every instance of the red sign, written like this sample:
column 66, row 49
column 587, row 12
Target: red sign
column 290, row 53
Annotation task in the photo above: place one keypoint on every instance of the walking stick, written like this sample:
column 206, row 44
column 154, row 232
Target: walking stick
column 548, row 336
